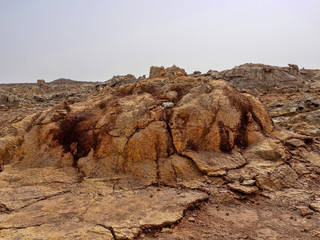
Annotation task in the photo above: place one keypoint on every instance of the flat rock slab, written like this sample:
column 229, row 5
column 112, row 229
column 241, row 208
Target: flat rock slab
column 213, row 163
column 142, row 208
column 68, row 230
column 124, row 212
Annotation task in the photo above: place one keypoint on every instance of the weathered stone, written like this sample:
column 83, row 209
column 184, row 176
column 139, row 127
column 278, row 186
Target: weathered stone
column 268, row 149
column 171, row 72
column 278, row 178
column 243, row 189
column 212, row 162
column 168, row 104
column 260, row 77
column 304, row 211
column 41, row 83
column 296, row 142
column 65, row 230
column 126, row 211
column 249, row 182
column 315, row 206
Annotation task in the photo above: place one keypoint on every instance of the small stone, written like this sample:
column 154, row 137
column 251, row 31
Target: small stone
column 315, row 206
column 166, row 230
column 217, row 173
column 292, row 110
column 191, row 219
column 11, row 98
column 243, row 189
column 179, row 180
column 168, row 104
column 249, row 182
column 306, row 229
column 296, row 142
column 305, row 211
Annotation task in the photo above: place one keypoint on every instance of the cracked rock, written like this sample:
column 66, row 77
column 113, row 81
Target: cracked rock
column 136, row 156
column 243, row 189
column 315, row 206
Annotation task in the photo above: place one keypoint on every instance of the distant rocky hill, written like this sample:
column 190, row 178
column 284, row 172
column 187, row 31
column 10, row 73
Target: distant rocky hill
column 43, row 94
column 68, row 81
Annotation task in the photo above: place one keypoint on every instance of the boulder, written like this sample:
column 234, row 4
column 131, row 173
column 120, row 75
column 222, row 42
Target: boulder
column 125, row 131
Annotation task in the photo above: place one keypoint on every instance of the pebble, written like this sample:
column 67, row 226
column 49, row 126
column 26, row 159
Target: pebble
column 248, row 182
column 168, row 104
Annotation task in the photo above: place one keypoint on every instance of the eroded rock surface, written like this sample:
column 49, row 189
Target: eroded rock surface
column 125, row 131
column 123, row 164
column 290, row 94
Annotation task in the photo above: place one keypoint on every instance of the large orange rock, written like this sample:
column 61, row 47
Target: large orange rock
column 124, row 132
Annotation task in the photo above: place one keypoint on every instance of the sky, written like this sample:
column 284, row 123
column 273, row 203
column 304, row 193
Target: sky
column 92, row 40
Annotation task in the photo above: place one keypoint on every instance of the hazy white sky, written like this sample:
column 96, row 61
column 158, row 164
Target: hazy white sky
column 96, row 39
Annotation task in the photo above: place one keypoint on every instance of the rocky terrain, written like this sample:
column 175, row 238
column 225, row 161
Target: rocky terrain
column 43, row 95
column 221, row 155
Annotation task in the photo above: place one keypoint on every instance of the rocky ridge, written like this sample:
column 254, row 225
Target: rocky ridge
column 290, row 94
column 168, row 157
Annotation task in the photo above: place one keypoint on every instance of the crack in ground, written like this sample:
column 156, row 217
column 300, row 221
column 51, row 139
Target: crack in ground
column 193, row 163
column 109, row 228
column 4, row 208
column 16, row 228
column 41, row 199
column 155, row 228
column 85, row 211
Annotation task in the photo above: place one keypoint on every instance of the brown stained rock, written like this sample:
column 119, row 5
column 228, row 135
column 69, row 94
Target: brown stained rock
column 294, row 142
column 248, row 182
column 126, row 212
column 179, row 169
column 144, row 149
column 304, row 211
column 15, row 177
column 268, row 149
column 65, row 230
column 216, row 117
column 315, row 205
column 243, row 189
column 215, row 162
column 139, row 209
column 278, row 178
column 170, row 72
column 126, row 130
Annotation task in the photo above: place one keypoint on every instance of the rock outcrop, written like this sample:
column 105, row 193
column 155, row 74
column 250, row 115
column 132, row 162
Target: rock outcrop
column 119, row 80
column 127, row 131
column 290, row 94
column 136, row 158
column 260, row 77
column 42, row 95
